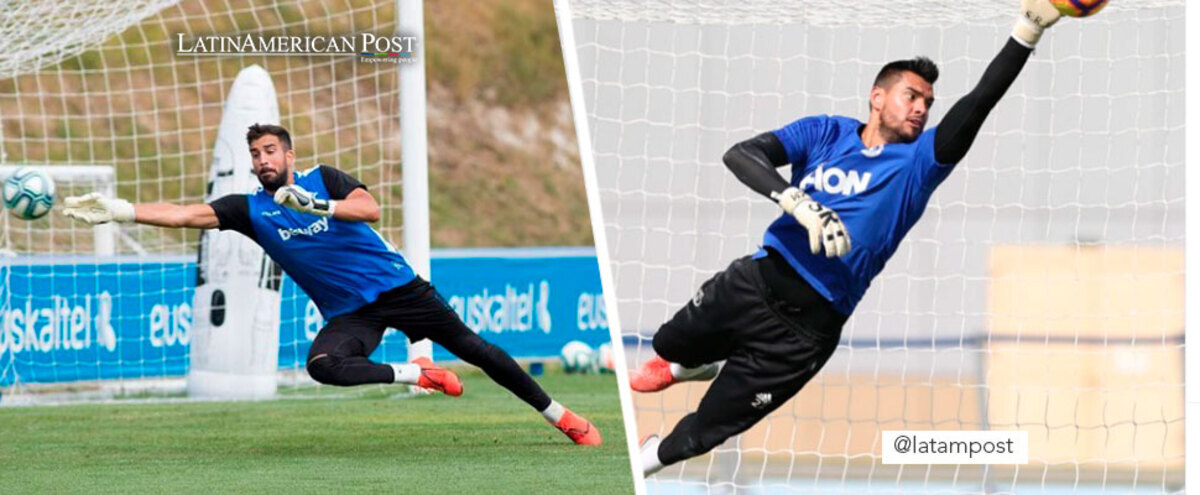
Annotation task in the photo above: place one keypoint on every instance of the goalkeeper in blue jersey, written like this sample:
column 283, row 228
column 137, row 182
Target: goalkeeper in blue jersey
column 774, row 318
column 314, row 224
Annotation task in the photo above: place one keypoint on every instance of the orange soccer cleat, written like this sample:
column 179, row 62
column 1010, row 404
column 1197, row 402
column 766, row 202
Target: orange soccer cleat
column 438, row 378
column 579, row 430
column 652, row 376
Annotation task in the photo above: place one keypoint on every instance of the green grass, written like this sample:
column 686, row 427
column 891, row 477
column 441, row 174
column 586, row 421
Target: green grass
column 486, row 441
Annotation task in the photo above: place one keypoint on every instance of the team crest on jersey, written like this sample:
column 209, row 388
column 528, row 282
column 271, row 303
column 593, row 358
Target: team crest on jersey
column 698, row 298
column 834, row 180
column 873, row 151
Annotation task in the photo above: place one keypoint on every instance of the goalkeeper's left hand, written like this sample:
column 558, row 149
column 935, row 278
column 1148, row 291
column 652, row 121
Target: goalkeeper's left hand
column 1035, row 17
column 824, row 226
column 296, row 198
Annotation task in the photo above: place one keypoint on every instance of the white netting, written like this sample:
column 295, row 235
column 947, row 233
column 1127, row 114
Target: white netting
column 870, row 13
column 85, row 83
column 1042, row 289
column 38, row 34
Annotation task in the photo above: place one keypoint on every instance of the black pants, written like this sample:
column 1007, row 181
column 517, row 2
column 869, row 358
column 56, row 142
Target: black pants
column 339, row 353
column 773, row 331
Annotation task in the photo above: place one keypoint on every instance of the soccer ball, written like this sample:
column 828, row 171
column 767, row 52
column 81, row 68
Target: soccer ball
column 28, row 194
column 604, row 358
column 577, row 357
column 1079, row 8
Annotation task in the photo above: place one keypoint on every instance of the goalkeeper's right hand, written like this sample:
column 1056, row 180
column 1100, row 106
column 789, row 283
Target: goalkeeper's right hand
column 94, row 208
column 1035, row 17
column 824, row 226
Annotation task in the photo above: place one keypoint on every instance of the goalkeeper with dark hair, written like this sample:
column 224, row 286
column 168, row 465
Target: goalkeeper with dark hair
column 856, row 189
column 314, row 224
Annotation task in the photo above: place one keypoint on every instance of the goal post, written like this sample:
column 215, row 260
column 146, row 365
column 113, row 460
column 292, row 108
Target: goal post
column 415, row 154
column 1078, row 171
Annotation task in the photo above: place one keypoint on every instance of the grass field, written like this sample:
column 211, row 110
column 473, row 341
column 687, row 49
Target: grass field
column 486, row 441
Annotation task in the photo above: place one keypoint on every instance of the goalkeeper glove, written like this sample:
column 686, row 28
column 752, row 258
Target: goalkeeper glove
column 1036, row 16
column 296, row 198
column 94, row 208
column 825, row 227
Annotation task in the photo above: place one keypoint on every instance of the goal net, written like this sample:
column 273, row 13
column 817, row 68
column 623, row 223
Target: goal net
column 1041, row 291
column 109, row 311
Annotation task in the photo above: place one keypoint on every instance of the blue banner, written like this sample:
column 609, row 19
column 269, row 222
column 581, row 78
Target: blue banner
column 64, row 321
column 70, row 319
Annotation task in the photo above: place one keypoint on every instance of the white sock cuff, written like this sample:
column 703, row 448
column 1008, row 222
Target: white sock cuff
column 700, row 372
column 553, row 412
column 407, row 373
column 650, row 462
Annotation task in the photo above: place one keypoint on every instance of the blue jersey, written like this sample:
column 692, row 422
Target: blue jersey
column 341, row 265
column 879, row 193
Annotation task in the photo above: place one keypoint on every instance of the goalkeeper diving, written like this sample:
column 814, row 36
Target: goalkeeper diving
column 774, row 318
column 314, row 224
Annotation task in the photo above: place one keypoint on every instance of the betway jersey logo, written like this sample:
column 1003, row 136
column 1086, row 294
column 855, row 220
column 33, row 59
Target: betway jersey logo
column 315, row 228
column 834, row 180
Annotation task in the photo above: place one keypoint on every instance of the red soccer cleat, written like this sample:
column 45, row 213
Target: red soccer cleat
column 652, row 376
column 579, row 430
column 438, row 378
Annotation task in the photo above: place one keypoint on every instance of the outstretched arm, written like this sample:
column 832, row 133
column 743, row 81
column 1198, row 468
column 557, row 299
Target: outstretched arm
column 199, row 216
column 95, row 209
column 962, row 123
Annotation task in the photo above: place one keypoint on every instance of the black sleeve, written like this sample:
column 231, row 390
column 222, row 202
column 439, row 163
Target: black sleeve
column 754, row 160
column 338, row 183
column 233, row 213
column 960, row 126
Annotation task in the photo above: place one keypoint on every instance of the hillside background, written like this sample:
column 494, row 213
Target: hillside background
column 504, row 164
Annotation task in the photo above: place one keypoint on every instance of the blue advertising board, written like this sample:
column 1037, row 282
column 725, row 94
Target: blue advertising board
column 73, row 318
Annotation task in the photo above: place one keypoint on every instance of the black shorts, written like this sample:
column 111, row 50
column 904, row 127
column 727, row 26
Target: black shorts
column 759, row 306
column 772, row 329
column 415, row 308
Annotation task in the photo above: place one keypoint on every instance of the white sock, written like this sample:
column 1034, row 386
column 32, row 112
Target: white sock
column 650, row 462
column 702, row 372
column 553, row 412
column 407, row 373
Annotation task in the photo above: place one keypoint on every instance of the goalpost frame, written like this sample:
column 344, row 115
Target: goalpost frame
column 410, row 21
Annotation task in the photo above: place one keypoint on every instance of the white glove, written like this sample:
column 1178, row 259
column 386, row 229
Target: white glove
column 1036, row 16
column 296, row 198
column 94, row 208
column 824, row 226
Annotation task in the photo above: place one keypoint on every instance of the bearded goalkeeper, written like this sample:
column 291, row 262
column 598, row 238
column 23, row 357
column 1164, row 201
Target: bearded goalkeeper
column 314, row 224
column 774, row 318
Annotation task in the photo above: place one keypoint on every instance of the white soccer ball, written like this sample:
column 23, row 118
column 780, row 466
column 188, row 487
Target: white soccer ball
column 28, row 194
column 604, row 358
column 577, row 357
